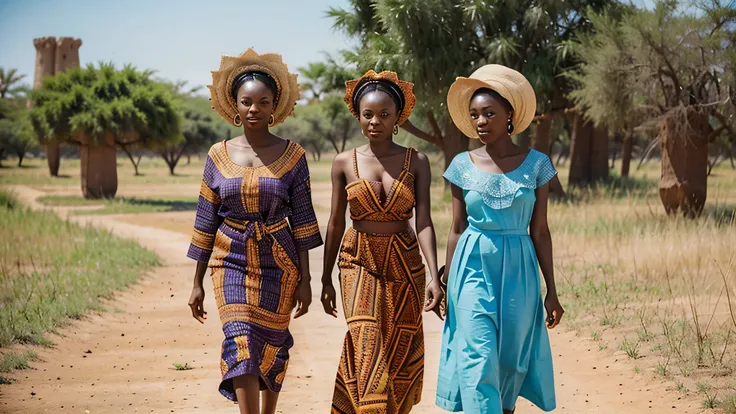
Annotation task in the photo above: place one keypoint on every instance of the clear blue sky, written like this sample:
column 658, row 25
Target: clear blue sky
column 181, row 40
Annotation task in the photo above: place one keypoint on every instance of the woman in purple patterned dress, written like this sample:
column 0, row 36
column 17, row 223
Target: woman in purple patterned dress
column 254, row 226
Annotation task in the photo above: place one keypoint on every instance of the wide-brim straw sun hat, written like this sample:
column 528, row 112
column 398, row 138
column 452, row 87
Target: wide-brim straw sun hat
column 510, row 84
column 231, row 67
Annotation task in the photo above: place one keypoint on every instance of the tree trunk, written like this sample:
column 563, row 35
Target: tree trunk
column 454, row 143
column 524, row 140
column 53, row 157
column 588, row 153
column 626, row 150
column 99, row 168
column 21, row 155
column 541, row 136
column 599, row 155
column 131, row 158
column 189, row 159
column 582, row 132
column 684, row 182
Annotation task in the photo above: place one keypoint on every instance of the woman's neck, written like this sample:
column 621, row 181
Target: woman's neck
column 257, row 137
column 381, row 148
column 502, row 148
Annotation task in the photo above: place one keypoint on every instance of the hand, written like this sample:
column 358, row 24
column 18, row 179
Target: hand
column 196, row 303
column 433, row 293
column 328, row 298
column 554, row 310
column 302, row 298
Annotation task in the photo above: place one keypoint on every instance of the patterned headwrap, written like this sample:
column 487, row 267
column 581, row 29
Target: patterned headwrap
column 401, row 92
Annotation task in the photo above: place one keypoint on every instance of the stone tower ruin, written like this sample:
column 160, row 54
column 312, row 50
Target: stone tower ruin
column 54, row 56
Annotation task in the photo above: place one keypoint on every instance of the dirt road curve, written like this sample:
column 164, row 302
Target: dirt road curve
column 133, row 348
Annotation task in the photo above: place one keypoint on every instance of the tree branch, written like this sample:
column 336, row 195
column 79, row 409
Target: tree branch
column 722, row 119
column 412, row 129
column 433, row 123
column 716, row 133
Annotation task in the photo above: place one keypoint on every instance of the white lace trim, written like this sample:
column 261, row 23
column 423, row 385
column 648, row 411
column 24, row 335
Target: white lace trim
column 498, row 191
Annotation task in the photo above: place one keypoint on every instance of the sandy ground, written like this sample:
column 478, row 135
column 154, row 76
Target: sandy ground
column 121, row 361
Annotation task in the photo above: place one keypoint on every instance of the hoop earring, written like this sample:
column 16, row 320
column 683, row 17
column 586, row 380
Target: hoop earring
column 236, row 120
column 396, row 129
column 510, row 128
column 271, row 121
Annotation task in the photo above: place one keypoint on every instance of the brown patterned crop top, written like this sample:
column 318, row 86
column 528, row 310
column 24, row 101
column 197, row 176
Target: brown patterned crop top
column 366, row 205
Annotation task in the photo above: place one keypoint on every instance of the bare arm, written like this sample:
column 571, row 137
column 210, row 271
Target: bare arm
column 426, row 234
column 425, row 228
column 458, row 226
column 335, row 232
column 539, row 231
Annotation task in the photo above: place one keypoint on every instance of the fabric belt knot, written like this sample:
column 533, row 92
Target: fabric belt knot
column 260, row 228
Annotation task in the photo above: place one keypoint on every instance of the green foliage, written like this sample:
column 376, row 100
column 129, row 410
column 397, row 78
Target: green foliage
column 652, row 63
column 9, row 83
column 200, row 128
column 16, row 132
column 87, row 103
column 321, row 124
column 321, row 78
column 432, row 42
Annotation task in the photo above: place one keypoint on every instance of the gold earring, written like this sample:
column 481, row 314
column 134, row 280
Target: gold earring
column 236, row 120
column 396, row 129
column 271, row 121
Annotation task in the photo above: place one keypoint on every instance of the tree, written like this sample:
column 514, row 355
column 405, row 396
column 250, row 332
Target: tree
column 16, row 132
column 9, row 83
column 99, row 108
column 199, row 130
column 307, row 127
column 432, row 42
column 329, row 76
column 670, row 70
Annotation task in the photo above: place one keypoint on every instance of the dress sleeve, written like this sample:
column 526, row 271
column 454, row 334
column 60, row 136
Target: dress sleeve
column 546, row 170
column 207, row 220
column 454, row 173
column 303, row 220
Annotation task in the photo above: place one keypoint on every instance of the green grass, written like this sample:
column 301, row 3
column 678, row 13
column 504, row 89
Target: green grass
column 180, row 367
column 12, row 361
column 122, row 205
column 68, row 201
column 52, row 270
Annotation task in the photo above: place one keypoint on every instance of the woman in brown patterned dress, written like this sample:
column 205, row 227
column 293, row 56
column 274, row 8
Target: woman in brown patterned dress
column 382, row 277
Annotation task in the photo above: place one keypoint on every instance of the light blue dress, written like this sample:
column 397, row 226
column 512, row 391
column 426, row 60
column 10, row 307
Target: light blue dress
column 495, row 346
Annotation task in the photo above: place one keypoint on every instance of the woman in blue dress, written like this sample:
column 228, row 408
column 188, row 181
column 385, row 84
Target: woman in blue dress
column 495, row 346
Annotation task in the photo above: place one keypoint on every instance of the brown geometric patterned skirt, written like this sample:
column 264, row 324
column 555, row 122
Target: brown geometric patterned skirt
column 382, row 364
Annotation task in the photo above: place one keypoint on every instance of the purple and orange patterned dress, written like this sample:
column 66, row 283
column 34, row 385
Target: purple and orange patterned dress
column 251, row 223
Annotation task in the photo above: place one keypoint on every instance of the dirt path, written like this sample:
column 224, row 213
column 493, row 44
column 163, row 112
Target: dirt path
column 133, row 348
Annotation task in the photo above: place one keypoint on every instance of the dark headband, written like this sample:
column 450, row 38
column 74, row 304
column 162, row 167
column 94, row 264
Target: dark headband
column 262, row 77
column 386, row 87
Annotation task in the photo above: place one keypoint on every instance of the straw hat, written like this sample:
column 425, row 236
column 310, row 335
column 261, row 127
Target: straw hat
column 510, row 84
column 406, row 88
column 233, row 66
